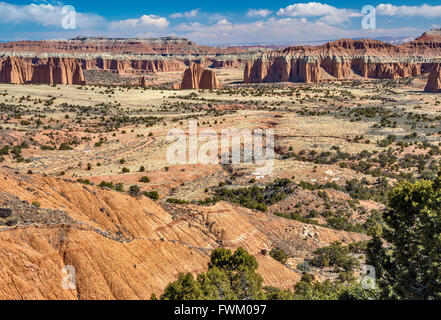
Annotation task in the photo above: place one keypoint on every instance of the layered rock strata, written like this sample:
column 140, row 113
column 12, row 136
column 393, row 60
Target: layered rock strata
column 346, row 59
column 196, row 77
column 434, row 81
column 48, row 71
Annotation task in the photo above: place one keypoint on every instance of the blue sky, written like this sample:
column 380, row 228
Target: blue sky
column 216, row 22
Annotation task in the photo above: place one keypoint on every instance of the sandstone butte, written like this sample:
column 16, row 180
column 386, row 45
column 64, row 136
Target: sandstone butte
column 196, row 77
column 142, row 82
column 97, row 45
column 132, row 66
column 49, row 71
column 434, row 81
column 346, row 59
column 125, row 247
column 118, row 55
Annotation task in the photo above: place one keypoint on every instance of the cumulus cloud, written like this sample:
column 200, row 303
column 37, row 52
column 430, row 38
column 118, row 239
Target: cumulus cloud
column 424, row 10
column 145, row 21
column 262, row 13
column 270, row 30
column 327, row 13
column 297, row 23
column 282, row 30
column 45, row 14
column 188, row 14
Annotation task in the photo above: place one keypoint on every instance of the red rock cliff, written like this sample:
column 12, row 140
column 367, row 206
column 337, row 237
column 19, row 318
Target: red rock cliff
column 15, row 70
column 49, row 71
column 196, row 77
column 58, row 71
column 434, row 81
column 346, row 58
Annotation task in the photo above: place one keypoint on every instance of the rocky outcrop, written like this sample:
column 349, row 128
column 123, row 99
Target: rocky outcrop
column 226, row 64
column 142, row 82
column 124, row 67
column 15, row 70
column 81, row 45
column 281, row 69
column 176, row 86
column 196, row 77
column 125, row 247
column 346, row 59
column 58, row 71
column 48, row 71
column 434, row 81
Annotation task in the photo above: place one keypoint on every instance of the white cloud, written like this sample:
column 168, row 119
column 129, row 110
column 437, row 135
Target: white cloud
column 263, row 13
column 45, row 14
column 424, row 10
column 149, row 21
column 327, row 13
column 299, row 23
column 278, row 30
column 188, row 14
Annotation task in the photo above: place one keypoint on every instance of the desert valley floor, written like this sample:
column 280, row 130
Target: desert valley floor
column 80, row 164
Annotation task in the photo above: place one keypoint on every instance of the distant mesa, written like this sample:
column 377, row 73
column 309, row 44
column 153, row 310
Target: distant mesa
column 196, row 77
column 346, row 59
column 434, row 81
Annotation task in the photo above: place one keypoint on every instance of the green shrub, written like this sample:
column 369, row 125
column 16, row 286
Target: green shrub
column 279, row 255
column 154, row 195
column 335, row 255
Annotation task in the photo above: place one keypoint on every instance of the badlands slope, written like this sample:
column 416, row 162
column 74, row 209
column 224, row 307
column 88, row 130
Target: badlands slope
column 128, row 248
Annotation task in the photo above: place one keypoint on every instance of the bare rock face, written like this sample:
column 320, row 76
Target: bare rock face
column 281, row 69
column 176, row 86
column 110, row 264
column 126, row 66
column 15, row 70
column 226, row 64
column 346, row 59
column 58, row 71
column 434, row 81
column 196, row 77
column 142, row 82
column 48, row 71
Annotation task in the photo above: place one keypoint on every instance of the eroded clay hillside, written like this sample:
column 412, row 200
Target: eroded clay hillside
column 126, row 247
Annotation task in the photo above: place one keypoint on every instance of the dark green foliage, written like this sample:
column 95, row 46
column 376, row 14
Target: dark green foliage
column 408, row 267
column 341, row 223
column 154, row 195
column 229, row 276
column 279, row 255
column 177, row 201
column 104, row 184
column 84, row 181
column 4, row 151
column 65, row 146
column 309, row 289
column 144, row 180
column 134, row 190
column 254, row 197
column 335, row 255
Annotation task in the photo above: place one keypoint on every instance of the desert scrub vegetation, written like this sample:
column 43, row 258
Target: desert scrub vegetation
column 279, row 255
column 233, row 276
column 335, row 256
column 405, row 255
column 154, row 195
column 254, row 197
